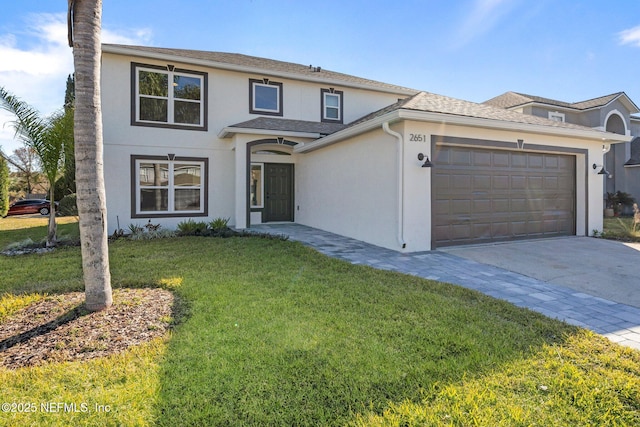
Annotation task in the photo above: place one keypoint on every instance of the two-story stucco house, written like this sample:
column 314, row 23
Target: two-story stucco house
column 191, row 134
column 612, row 113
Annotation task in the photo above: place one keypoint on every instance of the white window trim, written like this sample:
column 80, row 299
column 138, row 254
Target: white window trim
column 556, row 115
column 170, row 97
column 327, row 107
column 266, row 110
column 171, row 211
column 261, row 186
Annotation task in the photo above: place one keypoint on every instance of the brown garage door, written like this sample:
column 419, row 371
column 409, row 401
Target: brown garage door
column 481, row 195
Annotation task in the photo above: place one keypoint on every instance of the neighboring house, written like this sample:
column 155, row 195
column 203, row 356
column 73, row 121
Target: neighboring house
column 191, row 134
column 612, row 113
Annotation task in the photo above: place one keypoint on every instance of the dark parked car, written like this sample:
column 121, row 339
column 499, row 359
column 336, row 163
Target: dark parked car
column 30, row 206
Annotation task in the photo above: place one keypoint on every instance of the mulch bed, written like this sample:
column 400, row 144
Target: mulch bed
column 59, row 328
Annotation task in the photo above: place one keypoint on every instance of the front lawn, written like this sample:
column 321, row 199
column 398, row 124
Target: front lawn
column 274, row 333
column 621, row 228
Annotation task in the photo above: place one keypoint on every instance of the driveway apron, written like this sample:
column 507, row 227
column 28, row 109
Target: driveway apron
column 577, row 306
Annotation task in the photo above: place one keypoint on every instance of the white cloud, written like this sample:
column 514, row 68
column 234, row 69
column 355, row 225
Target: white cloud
column 37, row 60
column 483, row 16
column 132, row 37
column 630, row 36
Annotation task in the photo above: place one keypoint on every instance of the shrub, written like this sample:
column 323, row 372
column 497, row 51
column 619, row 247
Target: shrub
column 4, row 187
column 68, row 206
column 192, row 228
column 219, row 224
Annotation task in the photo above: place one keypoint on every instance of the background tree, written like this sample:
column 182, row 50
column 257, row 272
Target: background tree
column 66, row 184
column 46, row 137
column 26, row 164
column 4, row 186
column 84, row 20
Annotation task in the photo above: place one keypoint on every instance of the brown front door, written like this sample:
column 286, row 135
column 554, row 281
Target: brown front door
column 278, row 191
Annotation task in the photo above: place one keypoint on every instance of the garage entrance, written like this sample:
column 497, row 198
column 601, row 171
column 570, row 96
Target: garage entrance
column 486, row 195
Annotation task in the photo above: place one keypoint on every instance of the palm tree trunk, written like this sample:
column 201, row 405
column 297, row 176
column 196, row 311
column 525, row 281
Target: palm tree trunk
column 91, row 200
column 51, row 234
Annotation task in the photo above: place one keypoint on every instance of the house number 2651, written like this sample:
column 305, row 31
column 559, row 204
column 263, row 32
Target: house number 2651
column 417, row 137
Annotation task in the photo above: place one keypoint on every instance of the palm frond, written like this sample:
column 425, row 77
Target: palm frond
column 29, row 126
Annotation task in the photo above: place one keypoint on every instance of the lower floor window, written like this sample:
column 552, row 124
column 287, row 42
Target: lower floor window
column 164, row 187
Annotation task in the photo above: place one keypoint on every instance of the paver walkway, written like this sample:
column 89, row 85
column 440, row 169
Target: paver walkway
column 618, row 322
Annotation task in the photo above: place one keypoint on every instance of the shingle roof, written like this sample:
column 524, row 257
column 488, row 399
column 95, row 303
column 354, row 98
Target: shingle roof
column 258, row 65
column 515, row 99
column 287, row 125
column 433, row 103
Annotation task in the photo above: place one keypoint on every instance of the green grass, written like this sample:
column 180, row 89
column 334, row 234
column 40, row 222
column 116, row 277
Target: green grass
column 274, row 333
column 19, row 228
column 621, row 228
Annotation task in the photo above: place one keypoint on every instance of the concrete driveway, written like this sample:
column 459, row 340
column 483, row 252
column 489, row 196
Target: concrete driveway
column 603, row 268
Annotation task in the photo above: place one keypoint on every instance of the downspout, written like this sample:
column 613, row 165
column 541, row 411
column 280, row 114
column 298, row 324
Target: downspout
column 400, row 237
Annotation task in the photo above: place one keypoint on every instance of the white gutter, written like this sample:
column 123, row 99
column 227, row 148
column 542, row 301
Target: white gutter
column 400, row 145
column 452, row 119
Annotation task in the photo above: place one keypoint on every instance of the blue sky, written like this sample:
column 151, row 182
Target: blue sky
column 469, row 49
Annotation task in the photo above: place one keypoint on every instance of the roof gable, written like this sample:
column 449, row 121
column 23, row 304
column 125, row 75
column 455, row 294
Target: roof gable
column 509, row 100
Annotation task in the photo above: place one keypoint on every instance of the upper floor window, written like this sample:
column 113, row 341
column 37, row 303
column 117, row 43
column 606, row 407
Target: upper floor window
column 556, row 117
column 168, row 97
column 265, row 97
column 331, row 105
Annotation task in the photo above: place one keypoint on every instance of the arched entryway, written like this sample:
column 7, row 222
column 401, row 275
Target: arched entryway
column 270, row 181
column 614, row 123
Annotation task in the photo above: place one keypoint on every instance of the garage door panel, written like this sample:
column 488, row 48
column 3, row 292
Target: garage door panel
column 442, row 182
column 551, row 162
column 501, row 159
column 482, row 195
column 481, row 206
column 518, row 160
column 461, row 157
column 482, row 231
column 462, row 182
column 482, row 158
column 518, row 182
column 461, row 207
column 536, row 182
column 441, row 207
column 482, row 182
column 501, row 182
column 461, row 231
column 536, row 161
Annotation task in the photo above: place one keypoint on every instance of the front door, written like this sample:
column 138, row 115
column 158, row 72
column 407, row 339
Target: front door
column 278, row 191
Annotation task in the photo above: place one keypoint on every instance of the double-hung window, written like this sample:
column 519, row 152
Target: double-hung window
column 265, row 97
column 331, row 107
column 163, row 187
column 168, row 97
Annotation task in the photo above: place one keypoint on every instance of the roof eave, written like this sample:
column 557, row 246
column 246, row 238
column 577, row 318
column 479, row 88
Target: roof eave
column 426, row 116
column 130, row 51
column 348, row 132
column 230, row 131
column 513, row 126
